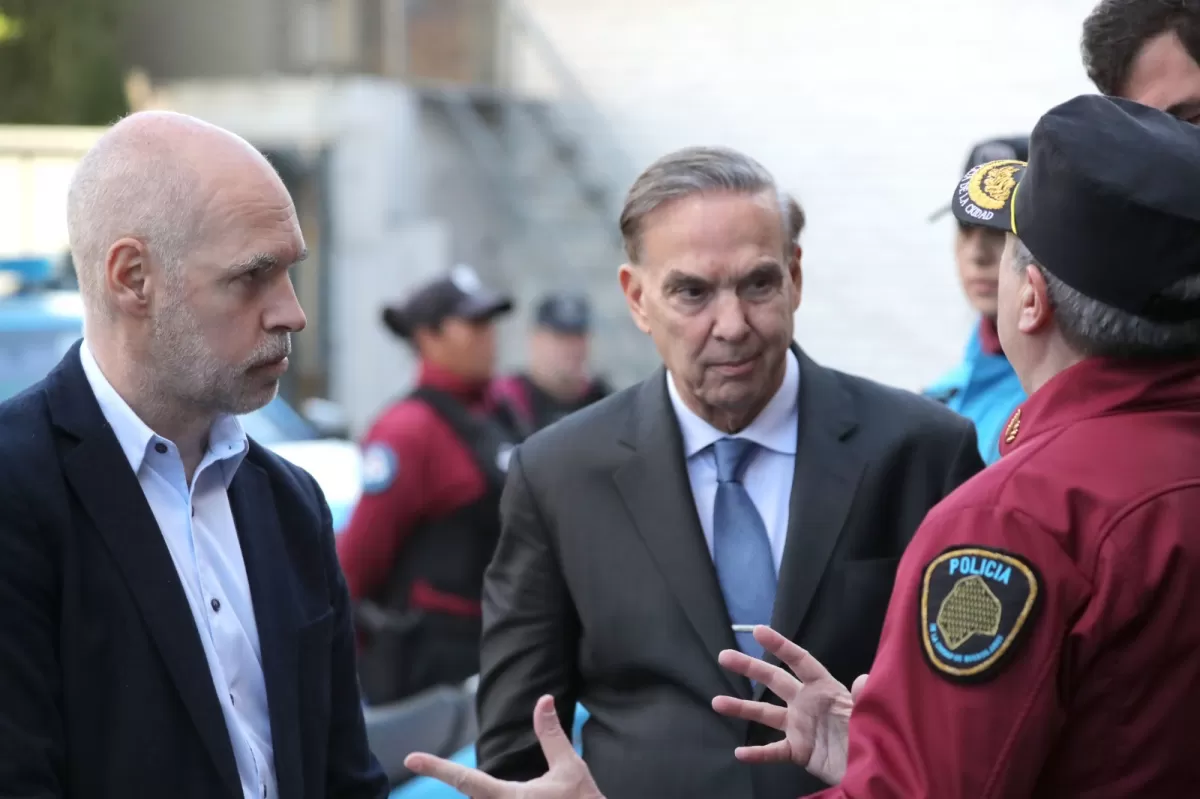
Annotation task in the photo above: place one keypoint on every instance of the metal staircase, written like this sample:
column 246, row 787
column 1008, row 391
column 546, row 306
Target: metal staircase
column 557, row 180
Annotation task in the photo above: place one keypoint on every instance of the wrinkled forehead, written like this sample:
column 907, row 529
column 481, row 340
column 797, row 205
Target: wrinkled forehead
column 715, row 235
column 251, row 214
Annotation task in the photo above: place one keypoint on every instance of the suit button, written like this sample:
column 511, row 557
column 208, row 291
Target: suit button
column 216, row 605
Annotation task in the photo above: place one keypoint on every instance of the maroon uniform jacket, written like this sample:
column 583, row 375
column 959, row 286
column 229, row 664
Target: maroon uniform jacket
column 1043, row 637
column 427, row 473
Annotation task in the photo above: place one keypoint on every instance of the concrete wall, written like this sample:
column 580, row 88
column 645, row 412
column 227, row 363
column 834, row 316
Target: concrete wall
column 865, row 109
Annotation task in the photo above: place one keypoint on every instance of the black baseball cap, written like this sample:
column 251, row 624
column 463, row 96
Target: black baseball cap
column 1009, row 148
column 564, row 313
column 460, row 294
column 1107, row 202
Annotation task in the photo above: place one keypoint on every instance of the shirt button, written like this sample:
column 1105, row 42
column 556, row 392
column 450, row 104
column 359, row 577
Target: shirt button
column 232, row 700
column 216, row 605
column 160, row 448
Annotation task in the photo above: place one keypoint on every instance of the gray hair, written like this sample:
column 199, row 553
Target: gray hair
column 1096, row 329
column 128, row 185
column 690, row 171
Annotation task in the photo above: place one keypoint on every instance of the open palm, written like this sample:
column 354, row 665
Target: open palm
column 567, row 778
column 816, row 719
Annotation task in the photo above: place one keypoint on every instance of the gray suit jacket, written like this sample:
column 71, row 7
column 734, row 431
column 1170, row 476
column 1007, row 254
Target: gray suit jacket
column 602, row 589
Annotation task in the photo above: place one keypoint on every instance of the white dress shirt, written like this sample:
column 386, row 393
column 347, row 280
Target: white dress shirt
column 197, row 524
column 768, row 478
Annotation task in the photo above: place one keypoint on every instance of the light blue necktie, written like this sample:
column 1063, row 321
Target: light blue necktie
column 741, row 548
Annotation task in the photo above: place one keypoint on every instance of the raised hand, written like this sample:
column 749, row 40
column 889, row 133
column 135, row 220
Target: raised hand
column 567, row 778
column 816, row 720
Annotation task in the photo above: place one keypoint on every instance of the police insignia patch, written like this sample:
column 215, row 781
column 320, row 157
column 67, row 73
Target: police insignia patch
column 379, row 468
column 975, row 604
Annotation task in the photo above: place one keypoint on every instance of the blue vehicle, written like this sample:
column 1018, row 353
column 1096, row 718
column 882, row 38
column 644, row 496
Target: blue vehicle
column 39, row 323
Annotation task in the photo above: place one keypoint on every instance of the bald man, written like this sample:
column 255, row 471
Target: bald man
column 173, row 621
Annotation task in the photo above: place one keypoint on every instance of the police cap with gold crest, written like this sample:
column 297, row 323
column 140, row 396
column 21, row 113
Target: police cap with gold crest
column 1107, row 202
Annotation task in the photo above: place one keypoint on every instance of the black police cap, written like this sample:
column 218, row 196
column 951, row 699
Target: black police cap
column 1108, row 202
column 457, row 295
column 564, row 313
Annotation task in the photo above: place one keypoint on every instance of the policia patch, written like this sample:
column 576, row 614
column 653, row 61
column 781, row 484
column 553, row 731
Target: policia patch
column 975, row 604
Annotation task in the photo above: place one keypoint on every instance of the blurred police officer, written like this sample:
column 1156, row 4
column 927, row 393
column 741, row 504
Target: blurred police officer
column 983, row 387
column 557, row 382
column 1041, row 640
column 433, row 468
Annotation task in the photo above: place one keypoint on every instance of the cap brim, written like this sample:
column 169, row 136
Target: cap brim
column 938, row 214
column 985, row 196
column 480, row 307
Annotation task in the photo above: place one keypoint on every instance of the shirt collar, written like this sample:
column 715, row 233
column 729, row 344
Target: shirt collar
column 1099, row 387
column 227, row 442
column 989, row 337
column 774, row 428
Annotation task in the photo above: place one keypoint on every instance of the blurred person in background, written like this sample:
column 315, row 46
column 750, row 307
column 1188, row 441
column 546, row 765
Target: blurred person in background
column 742, row 482
column 434, row 465
column 983, row 387
column 557, row 381
column 1147, row 51
column 175, row 621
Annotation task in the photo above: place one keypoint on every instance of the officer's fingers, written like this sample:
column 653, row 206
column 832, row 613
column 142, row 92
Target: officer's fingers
column 802, row 664
column 784, row 685
column 778, row 752
column 860, row 682
column 469, row 781
column 762, row 712
column 556, row 746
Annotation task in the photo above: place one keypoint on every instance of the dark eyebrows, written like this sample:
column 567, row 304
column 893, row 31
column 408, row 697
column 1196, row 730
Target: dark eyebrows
column 1186, row 110
column 676, row 280
column 768, row 270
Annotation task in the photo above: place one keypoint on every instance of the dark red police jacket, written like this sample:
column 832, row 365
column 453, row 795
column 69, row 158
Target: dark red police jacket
column 1043, row 636
column 416, row 469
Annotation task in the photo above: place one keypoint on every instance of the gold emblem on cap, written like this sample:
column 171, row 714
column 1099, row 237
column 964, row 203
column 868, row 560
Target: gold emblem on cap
column 1014, row 427
column 992, row 184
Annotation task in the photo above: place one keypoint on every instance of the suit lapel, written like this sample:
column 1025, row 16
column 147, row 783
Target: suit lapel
column 826, row 476
column 654, row 485
column 275, row 613
column 109, row 491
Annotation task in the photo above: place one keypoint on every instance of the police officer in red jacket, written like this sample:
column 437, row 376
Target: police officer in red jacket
column 434, row 465
column 1043, row 635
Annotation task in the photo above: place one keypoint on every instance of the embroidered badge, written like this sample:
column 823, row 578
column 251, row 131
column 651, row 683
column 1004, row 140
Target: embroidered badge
column 975, row 605
column 379, row 468
column 988, row 188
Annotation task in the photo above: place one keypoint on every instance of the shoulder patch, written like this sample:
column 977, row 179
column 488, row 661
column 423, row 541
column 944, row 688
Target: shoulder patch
column 975, row 605
column 379, row 468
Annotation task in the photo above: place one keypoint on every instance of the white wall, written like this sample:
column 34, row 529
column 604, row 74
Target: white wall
column 865, row 109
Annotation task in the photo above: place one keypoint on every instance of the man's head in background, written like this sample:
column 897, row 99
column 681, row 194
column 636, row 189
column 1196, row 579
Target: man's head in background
column 450, row 321
column 1147, row 51
column 713, row 277
column 977, row 248
column 1103, row 238
column 183, row 237
column 558, row 346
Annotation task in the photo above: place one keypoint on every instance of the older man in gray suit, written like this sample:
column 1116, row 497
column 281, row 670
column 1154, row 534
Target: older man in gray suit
column 742, row 483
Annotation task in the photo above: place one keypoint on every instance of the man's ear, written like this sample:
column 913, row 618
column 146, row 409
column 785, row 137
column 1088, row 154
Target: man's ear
column 797, row 275
column 1036, row 310
column 632, row 281
column 127, row 276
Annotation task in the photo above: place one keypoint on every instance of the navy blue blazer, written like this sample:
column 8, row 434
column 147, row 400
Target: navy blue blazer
column 105, row 692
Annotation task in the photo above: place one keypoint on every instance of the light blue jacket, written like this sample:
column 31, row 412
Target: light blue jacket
column 985, row 389
column 426, row 788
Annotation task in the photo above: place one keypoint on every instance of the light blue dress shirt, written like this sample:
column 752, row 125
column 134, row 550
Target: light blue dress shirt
column 197, row 525
column 768, row 478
